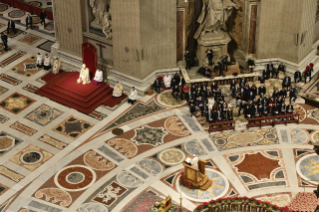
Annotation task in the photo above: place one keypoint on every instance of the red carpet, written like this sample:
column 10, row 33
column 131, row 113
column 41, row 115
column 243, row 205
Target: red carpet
column 63, row 88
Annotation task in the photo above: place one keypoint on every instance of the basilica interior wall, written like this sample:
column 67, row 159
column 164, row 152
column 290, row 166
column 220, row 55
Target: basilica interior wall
column 158, row 35
column 126, row 37
column 279, row 23
column 235, row 25
column 70, row 26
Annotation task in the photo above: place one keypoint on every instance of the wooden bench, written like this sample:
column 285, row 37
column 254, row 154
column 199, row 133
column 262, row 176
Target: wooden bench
column 222, row 125
column 272, row 120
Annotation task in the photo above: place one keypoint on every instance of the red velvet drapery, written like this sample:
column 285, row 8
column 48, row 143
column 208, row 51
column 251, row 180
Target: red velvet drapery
column 89, row 57
column 28, row 7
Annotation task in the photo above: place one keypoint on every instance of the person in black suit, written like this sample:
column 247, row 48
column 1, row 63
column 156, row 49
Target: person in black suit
column 283, row 93
column 290, row 109
column 157, row 85
column 230, row 113
column 28, row 21
column 11, row 25
column 225, row 62
column 209, row 116
column 247, row 111
column 187, row 60
column 265, row 110
column 235, row 91
column 308, row 74
column 261, row 90
column 283, row 108
column 207, row 73
column 191, row 105
column 281, row 68
column 209, row 55
column 4, row 39
column 275, row 110
column 265, row 75
column 292, row 93
column 250, row 97
column 220, row 67
column 242, row 107
column 175, row 91
column 297, row 76
column 43, row 15
column 255, row 111
column 242, row 82
column 232, row 84
column 270, row 69
column 286, row 81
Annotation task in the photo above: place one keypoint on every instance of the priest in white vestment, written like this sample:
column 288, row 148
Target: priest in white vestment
column 56, row 66
column 117, row 90
column 39, row 60
column 133, row 96
column 167, row 81
column 84, row 75
column 47, row 62
column 98, row 78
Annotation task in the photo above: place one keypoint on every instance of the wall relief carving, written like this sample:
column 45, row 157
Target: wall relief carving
column 101, row 10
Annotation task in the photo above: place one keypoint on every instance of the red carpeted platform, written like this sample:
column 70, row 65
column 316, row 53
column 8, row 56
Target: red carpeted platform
column 64, row 89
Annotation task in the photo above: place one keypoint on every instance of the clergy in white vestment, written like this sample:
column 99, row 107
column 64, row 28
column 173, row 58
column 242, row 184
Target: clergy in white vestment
column 117, row 90
column 84, row 77
column 167, row 81
column 133, row 96
column 56, row 66
column 39, row 60
column 98, row 78
column 47, row 62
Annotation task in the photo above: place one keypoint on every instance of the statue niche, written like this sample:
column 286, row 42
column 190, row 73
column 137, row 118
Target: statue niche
column 103, row 18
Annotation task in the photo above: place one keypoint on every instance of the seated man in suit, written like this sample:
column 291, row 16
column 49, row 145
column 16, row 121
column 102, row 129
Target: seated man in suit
column 286, row 81
column 232, row 84
column 11, row 26
column 283, row 109
column 209, row 116
column 255, row 111
column 292, row 93
column 230, row 113
column 28, row 21
column 290, row 109
column 242, row 107
column 281, row 68
column 235, row 90
column 270, row 69
column 297, row 76
column 265, row 110
column 157, row 85
column 247, row 111
column 276, row 109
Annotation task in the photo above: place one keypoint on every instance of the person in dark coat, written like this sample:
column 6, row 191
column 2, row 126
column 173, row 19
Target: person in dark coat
column 220, row 67
column 283, row 109
column 232, row 84
column 12, row 26
column 4, row 39
column 230, row 116
column 175, row 91
column 235, row 91
column 189, row 96
column 187, row 60
column 253, row 88
column 28, row 21
column 157, row 85
column 307, row 74
column 43, row 15
column 242, row 82
column 242, row 107
column 209, row 55
column 261, row 90
column 286, row 81
column 247, row 111
column 297, row 76
column 281, row 68
column 270, row 69
column 191, row 105
column 265, row 110
column 255, row 111
column 218, row 117
column 290, row 109
column 201, row 70
column 292, row 93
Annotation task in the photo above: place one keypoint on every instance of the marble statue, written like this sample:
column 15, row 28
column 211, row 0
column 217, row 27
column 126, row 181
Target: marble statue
column 107, row 25
column 99, row 7
column 84, row 75
column 213, row 15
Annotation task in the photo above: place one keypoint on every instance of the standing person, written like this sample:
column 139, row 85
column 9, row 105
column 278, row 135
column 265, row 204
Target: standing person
column 230, row 113
column 220, row 67
column 4, row 39
column 11, row 25
column 232, row 84
column 209, row 55
column 187, row 60
column 157, row 85
column 39, row 60
column 43, row 15
column 133, row 96
column 261, row 90
column 286, row 81
column 28, row 21
column 191, row 104
column 281, row 68
column 307, row 74
column 225, row 62
column 47, row 62
column 297, row 76
column 292, row 93
column 175, row 91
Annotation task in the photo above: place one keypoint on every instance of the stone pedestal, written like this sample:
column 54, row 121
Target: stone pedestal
column 218, row 42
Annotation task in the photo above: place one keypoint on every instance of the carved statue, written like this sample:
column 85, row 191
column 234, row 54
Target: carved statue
column 214, row 14
column 99, row 7
column 107, row 25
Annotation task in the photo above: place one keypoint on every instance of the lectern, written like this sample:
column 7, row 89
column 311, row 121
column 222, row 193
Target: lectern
column 194, row 172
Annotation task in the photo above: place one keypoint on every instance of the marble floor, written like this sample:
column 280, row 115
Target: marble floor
column 54, row 158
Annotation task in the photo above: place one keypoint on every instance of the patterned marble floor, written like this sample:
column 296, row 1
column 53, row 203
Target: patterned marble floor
column 53, row 158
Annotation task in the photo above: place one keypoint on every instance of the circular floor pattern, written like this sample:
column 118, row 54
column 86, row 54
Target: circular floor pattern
column 193, row 148
column 128, row 180
column 16, row 14
column 166, row 99
column 245, row 138
column 68, row 178
column 308, row 167
column 3, row 7
column 92, row 207
column 299, row 136
column 172, row 156
column 31, row 157
column 219, row 187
